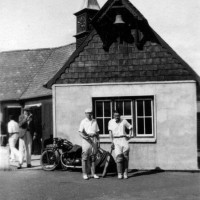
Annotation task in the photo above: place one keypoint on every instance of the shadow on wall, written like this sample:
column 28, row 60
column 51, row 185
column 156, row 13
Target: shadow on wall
column 198, row 159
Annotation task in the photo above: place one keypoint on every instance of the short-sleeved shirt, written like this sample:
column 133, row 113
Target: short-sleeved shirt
column 118, row 129
column 90, row 126
column 13, row 127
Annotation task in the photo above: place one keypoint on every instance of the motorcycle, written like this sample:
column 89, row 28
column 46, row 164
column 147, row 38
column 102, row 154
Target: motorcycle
column 63, row 153
column 51, row 156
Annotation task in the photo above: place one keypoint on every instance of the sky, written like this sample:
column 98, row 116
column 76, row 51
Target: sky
column 32, row 24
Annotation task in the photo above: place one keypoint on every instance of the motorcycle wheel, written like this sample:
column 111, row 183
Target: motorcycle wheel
column 49, row 160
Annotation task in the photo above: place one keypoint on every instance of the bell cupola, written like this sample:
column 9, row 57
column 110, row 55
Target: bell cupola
column 83, row 18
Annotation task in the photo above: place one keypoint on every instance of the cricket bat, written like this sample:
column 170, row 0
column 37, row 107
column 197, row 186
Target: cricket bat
column 107, row 163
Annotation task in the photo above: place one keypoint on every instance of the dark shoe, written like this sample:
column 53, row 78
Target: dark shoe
column 19, row 166
column 29, row 166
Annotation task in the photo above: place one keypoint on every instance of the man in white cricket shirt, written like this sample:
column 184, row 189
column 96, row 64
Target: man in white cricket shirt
column 13, row 130
column 89, row 131
column 119, row 139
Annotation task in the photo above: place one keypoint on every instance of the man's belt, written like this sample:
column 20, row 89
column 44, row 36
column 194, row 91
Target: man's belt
column 13, row 133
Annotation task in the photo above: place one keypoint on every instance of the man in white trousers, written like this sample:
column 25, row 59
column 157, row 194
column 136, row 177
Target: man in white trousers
column 89, row 131
column 119, row 139
column 13, row 130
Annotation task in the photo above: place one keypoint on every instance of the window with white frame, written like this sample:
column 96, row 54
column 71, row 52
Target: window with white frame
column 103, row 114
column 125, row 108
column 137, row 111
column 144, row 117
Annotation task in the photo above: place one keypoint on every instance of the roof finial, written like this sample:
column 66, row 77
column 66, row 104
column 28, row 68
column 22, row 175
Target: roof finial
column 91, row 4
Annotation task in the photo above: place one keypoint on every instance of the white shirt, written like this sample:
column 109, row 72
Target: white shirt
column 13, row 127
column 118, row 129
column 90, row 126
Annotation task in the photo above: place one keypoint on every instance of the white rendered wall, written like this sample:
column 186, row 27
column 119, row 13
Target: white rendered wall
column 175, row 147
column 1, row 117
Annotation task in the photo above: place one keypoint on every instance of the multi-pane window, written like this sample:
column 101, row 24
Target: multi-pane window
column 144, row 117
column 125, row 108
column 137, row 111
column 103, row 114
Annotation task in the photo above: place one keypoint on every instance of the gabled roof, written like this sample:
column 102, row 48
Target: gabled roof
column 23, row 73
column 110, row 3
column 157, row 62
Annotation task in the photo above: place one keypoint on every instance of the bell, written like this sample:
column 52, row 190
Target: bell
column 119, row 20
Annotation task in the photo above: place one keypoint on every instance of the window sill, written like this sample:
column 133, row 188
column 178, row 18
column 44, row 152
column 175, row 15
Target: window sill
column 142, row 140
column 106, row 139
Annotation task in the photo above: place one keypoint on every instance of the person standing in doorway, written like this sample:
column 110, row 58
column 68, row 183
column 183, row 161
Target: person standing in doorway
column 13, row 130
column 89, row 131
column 26, row 128
column 119, row 138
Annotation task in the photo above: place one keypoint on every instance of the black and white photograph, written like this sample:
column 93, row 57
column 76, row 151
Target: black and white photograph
column 99, row 100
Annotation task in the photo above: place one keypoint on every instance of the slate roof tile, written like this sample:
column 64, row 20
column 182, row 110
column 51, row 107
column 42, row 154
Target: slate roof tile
column 23, row 73
column 167, row 66
column 56, row 60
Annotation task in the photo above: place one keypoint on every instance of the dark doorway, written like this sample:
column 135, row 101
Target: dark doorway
column 15, row 111
column 198, row 138
column 37, row 135
column 47, row 121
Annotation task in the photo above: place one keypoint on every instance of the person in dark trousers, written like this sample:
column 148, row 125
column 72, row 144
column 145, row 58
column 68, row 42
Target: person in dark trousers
column 37, row 144
column 26, row 129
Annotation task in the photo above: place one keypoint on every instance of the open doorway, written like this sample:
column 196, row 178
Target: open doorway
column 198, row 139
column 43, row 121
column 37, row 135
column 11, row 110
column 47, row 123
column 15, row 111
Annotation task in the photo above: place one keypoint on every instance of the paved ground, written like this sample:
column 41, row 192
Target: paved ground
column 36, row 184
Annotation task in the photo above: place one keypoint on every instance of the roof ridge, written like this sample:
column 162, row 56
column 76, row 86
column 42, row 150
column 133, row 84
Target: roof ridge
column 37, row 49
column 126, row 3
column 129, row 4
